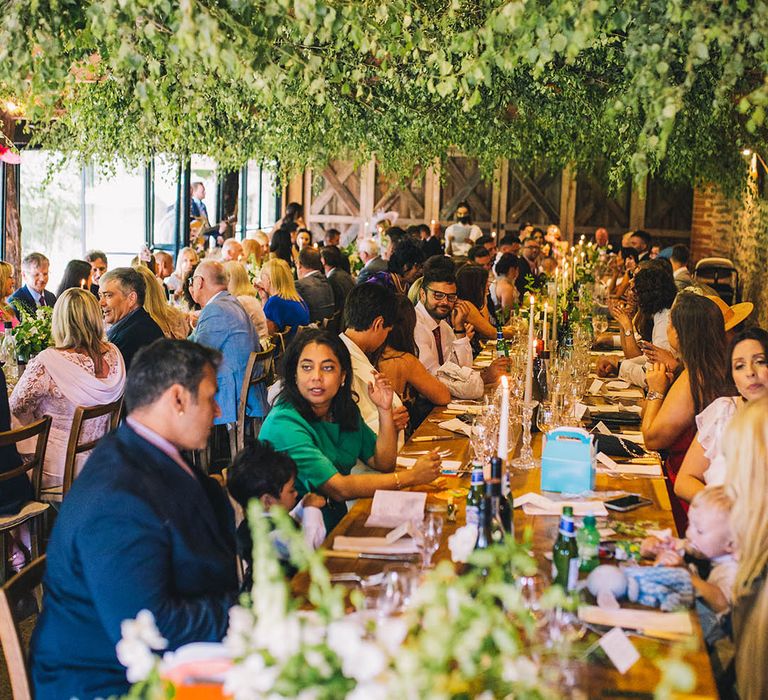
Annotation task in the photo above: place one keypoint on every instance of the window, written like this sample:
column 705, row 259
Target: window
column 261, row 200
column 165, row 190
column 203, row 169
column 51, row 211
column 114, row 213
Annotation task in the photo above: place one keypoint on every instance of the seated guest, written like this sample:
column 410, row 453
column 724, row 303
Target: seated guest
column 232, row 249
column 163, row 265
column 489, row 243
column 82, row 369
column 333, row 240
column 642, row 242
column 704, row 463
column 442, row 331
column 77, row 274
column 509, row 243
column 697, row 333
column 34, row 272
column 253, row 252
column 368, row 317
column 528, row 264
column 283, row 306
column 441, row 262
column 240, row 287
column 282, row 246
column 225, row 326
column 504, row 290
column 141, row 529
column 480, row 256
column 602, row 241
column 185, row 261
column 341, row 281
column 373, row 262
column 15, row 492
column 406, row 263
column 625, row 267
column 317, row 422
column 430, row 241
column 261, row 472
column 121, row 295
column 746, row 447
column 99, row 264
column 313, row 285
column 679, row 259
column 172, row 321
column 7, row 285
column 397, row 360
column 303, row 238
column 472, row 288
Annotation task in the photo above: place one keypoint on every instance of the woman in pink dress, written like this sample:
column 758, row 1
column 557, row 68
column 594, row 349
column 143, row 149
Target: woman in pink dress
column 83, row 369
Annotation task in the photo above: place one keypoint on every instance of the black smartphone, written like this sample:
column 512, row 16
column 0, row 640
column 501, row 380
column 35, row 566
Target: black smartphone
column 628, row 502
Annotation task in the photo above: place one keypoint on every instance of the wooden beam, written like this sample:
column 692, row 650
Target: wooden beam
column 432, row 192
column 539, row 198
column 12, row 252
column 637, row 202
column 464, row 192
column 568, row 203
column 503, row 190
column 367, row 191
column 321, row 201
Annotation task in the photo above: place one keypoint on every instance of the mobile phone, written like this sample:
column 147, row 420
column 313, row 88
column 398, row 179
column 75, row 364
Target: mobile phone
column 628, row 502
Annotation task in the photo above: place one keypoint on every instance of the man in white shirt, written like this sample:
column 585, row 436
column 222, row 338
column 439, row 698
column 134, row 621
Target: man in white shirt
column 369, row 314
column 460, row 236
column 442, row 333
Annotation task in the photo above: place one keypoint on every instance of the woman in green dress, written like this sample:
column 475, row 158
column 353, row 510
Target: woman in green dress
column 316, row 421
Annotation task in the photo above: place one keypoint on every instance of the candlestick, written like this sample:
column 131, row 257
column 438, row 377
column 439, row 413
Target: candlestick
column 544, row 332
column 503, row 447
column 525, row 459
column 529, row 357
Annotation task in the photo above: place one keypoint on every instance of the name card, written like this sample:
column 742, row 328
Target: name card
column 619, row 649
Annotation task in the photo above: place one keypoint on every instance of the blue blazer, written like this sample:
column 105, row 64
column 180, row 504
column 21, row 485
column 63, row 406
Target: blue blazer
column 225, row 326
column 134, row 532
column 22, row 298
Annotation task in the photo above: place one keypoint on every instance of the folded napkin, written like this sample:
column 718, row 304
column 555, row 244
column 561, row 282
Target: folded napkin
column 617, row 384
column 610, row 408
column 610, row 466
column 650, row 622
column 456, row 426
column 473, row 408
column 537, row 504
column 624, row 394
column 446, row 465
column 374, row 545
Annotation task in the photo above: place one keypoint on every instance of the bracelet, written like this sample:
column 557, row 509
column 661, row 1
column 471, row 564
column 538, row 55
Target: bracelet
column 398, row 485
column 461, row 332
column 654, row 396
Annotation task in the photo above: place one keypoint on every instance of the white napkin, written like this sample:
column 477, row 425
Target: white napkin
column 447, row 465
column 473, row 408
column 624, row 394
column 617, row 384
column 537, row 504
column 391, row 508
column 608, row 408
column 456, row 426
column 646, row 621
column 374, row 545
column 612, row 466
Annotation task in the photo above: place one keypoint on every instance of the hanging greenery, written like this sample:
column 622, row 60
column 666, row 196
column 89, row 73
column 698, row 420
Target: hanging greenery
column 675, row 87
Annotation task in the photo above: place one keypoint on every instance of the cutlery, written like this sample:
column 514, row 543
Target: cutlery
column 337, row 554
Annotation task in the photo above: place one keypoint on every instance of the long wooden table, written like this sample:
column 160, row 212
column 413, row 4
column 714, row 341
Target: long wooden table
column 597, row 678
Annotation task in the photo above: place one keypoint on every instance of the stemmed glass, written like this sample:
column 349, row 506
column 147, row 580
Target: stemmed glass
column 545, row 417
column 427, row 535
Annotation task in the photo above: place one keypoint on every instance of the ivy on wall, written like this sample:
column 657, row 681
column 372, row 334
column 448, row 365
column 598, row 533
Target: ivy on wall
column 749, row 250
column 675, row 87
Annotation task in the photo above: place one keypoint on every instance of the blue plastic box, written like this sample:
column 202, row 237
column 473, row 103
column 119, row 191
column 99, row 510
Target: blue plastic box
column 568, row 461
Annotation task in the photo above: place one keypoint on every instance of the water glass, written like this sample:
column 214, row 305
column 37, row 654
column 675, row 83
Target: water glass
column 545, row 417
column 427, row 534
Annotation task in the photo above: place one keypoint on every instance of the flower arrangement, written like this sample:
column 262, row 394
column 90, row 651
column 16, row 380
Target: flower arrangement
column 33, row 334
column 463, row 636
column 355, row 263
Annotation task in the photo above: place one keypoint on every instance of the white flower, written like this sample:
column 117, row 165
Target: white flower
column 368, row 691
column 462, row 543
column 344, row 636
column 315, row 659
column 137, row 658
column 143, row 628
column 283, row 638
column 390, row 633
column 520, row 670
column 364, row 663
column 250, row 679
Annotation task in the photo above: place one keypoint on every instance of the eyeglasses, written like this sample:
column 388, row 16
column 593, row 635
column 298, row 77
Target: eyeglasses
column 192, row 279
column 439, row 296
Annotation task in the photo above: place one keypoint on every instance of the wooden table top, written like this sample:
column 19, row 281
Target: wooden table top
column 598, row 678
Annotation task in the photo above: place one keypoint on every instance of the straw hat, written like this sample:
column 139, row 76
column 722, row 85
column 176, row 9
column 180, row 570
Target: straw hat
column 732, row 315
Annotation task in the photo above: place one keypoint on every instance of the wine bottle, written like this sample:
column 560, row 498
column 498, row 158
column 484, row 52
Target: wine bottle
column 475, row 495
column 565, row 554
column 493, row 491
column 484, row 524
column 502, row 349
column 507, row 505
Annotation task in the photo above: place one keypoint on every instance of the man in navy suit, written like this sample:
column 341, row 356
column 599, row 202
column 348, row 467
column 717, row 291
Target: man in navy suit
column 121, row 296
column 224, row 325
column 34, row 270
column 140, row 529
column 198, row 209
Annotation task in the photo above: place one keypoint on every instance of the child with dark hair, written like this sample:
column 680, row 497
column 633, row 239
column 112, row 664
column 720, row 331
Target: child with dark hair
column 259, row 471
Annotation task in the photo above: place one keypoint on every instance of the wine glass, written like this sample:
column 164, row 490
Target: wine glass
column 545, row 417
column 427, row 535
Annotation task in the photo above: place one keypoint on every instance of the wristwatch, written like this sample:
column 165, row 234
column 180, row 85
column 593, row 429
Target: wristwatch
column 627, row 332
column 654, row 396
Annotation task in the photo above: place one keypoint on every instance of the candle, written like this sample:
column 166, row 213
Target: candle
column 82, row 284
column 529, row 356
column 554, row 313
column 503, row 447
column 544, row 332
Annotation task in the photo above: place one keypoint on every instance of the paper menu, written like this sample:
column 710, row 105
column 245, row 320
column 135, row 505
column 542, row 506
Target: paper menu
column 374, row 545
column 392, row 508
column 646, row 621
column 537, row 504
column 457, row 426
column 617, row 647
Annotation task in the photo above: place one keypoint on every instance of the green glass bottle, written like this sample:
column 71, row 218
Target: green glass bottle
column 502, row 349
column 484, row 525
column 588, row 541
column 565, row 554
column 475, row 495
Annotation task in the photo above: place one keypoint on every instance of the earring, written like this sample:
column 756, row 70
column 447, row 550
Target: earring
column 180, row 413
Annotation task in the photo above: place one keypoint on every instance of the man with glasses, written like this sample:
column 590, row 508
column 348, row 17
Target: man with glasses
column 529, row 263
column 442, row 332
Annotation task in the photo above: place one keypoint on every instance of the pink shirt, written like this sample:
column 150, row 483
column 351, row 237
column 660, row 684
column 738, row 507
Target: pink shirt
column 165, row 446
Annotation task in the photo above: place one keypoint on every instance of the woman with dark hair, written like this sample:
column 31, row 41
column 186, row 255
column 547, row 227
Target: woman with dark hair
column 697, row 332
column 282, row 244
column 472, row 287
column 398, row 361
column 317, row 421
column 626, row 266
column 294, row 214
column 77, row 274
column 704, row 463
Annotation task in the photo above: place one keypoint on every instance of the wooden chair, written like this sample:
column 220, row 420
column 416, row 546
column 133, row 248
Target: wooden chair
column 75, row 447
column 32, row 512
column 333, row 323
column 26, row 582
column 259, row 370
